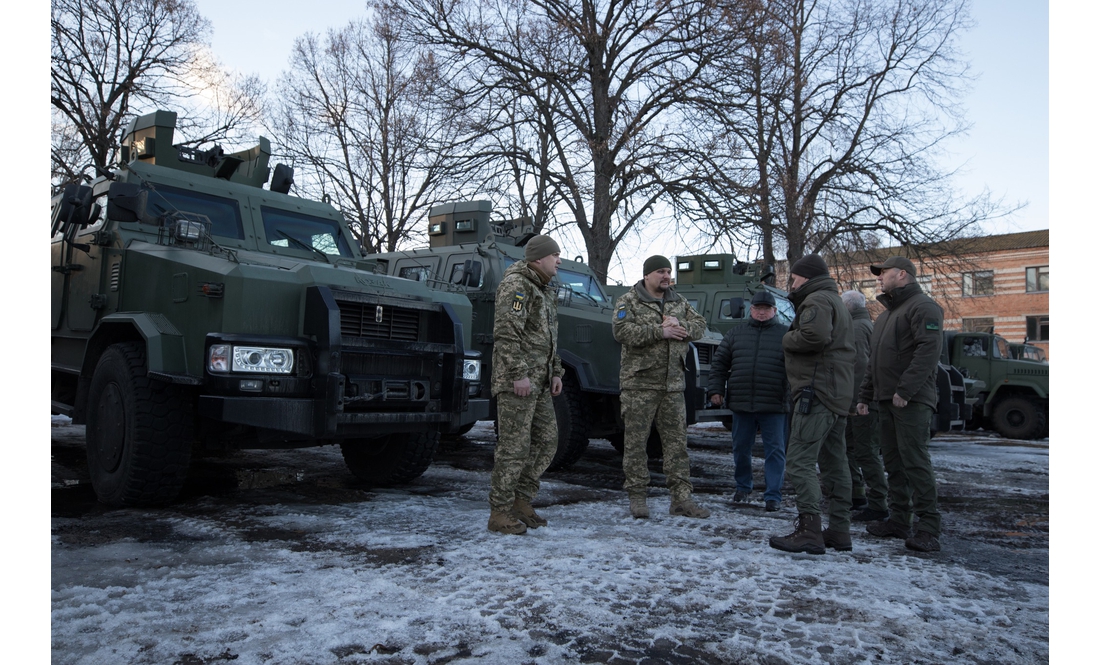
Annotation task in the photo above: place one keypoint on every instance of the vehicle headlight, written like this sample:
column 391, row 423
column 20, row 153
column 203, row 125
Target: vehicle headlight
column 471, row 369
column 251, row 359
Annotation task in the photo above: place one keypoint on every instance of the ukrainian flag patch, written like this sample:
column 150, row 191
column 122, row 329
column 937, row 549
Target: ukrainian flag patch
column 517, row 302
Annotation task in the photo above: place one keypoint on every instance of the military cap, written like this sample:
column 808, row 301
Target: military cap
column 763, row 298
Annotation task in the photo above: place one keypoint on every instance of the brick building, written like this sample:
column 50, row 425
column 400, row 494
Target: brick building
column 999, row 281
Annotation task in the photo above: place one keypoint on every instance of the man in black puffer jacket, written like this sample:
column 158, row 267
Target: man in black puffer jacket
column 748, row 373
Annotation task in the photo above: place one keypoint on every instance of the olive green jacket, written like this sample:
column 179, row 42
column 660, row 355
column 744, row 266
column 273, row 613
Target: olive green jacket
column 905, row 348
column 525, row 330
column 862, row 324
column 820, row 347
column 649, row 361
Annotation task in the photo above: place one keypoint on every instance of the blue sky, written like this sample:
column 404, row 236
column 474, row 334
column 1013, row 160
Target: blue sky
column 1006, row 150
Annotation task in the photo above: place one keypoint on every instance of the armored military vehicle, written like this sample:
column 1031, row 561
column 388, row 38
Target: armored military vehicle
column 721, row 288
column 193, row 307
column 1014, row 401
column 469, row 253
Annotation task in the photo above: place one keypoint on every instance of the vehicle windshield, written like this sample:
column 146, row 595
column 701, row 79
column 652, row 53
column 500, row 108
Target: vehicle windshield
column 318, row 233
column 784, row 309
column 224, row 214
column 1000, row 348
column 583, row 285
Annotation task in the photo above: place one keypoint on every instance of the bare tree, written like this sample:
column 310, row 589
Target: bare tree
column 111, row 59
column 603, row 81
column 840, row 108
column 363, row 112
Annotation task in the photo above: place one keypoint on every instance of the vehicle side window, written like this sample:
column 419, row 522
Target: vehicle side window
column 415, row 273
column 732, row 309
column 224, row 214
column 1000, row 348
column 694, row 302
column 974, row 347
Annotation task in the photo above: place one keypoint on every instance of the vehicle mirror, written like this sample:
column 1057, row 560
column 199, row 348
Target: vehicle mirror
column 471, row 271
column 126, row 202
column 74, row 208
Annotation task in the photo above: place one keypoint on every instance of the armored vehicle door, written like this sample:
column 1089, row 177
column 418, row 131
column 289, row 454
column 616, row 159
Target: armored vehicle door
column 85, row 272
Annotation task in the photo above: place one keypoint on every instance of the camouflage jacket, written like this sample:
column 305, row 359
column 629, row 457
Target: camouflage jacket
column 525, row 330
column 649, row 361
column 820, row 348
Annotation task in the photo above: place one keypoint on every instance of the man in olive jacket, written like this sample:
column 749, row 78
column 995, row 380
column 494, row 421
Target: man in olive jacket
column 901, row 378
column 654, row 324
column 526, row 375
column 747, row 372
column 820, row 358
column 864, row 458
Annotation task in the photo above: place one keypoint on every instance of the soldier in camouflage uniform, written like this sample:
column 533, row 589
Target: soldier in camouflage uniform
column 526, row 375
column 654, row 324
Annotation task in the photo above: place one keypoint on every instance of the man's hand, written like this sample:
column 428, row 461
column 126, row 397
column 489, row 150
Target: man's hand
column 522, row 387
column 899, row 402
column 555, row 385
column 670, row 321
column 862, row 409
column 674, row 332
column 716, row 399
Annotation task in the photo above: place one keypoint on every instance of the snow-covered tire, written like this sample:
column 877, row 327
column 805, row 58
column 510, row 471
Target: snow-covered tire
column 139, row 431
column 572, row 417
column 392, row 459
column 1018, row 418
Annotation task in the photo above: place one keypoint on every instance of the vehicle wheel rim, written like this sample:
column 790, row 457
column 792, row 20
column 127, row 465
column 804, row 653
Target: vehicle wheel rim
column 1015, row 418
column 111, row 429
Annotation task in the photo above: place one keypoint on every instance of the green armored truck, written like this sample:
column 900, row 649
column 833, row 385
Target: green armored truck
column 469, row 253
column 1014, row 401
column 194, row 309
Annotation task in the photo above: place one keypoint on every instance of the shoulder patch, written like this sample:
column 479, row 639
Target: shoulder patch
column 807, row 315
column 621, row 314
column 931, row 324
column 517, row 302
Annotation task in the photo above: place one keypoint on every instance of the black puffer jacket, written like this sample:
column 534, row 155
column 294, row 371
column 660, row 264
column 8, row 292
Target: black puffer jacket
column 748, row 370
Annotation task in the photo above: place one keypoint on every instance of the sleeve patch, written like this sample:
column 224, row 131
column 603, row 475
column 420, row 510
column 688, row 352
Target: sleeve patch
column 517, row 302
column 621, row 314
column 931, row 324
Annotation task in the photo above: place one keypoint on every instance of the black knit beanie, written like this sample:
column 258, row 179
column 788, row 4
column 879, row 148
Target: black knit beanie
column 810, row 266
column 655, row 262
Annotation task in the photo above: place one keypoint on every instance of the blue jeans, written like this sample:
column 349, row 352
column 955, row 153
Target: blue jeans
column 774, row 433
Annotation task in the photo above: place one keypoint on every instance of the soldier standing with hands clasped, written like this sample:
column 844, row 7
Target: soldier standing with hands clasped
column 901, row 378
column 526, row 375
column 654, row 324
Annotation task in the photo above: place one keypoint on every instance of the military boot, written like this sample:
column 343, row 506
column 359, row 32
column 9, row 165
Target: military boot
column 687, row 508
column 523, row 511
column 806, row 536
column 888, row 529
column 503, row 521
column 839, row 541
column 638, row 508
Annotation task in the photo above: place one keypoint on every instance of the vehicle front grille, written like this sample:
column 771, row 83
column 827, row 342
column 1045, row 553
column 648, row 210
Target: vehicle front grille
column 378, row 321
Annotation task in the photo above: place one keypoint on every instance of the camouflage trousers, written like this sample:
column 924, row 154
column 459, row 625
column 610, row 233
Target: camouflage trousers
column 905, row 432
column 642, row 409
column 817, row 438
column 527, row 439
column 865, row 459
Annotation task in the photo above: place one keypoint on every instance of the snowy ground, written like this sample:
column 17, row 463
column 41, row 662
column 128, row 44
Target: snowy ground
column 279, row 557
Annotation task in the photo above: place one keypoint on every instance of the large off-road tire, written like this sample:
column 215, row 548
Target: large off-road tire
column 392, row 459
column 572, row 416
column 1019, row 418
column 653, row 447
column 139, row 431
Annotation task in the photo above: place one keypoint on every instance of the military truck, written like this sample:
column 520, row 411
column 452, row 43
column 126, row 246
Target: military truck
column 1014, row 401
column 721, row 288
column 469, row 253
column 193, row 309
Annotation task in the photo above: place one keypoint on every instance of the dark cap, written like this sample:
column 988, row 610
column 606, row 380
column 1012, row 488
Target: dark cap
column 763, row 298
column 655, row 262
column 810, row 266
column 540, row 247
column 894, row 262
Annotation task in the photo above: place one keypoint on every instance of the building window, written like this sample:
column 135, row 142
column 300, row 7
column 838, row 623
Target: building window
column 978, row 283
column 1038, row 279
column 1038, row 328
column 978, row 324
